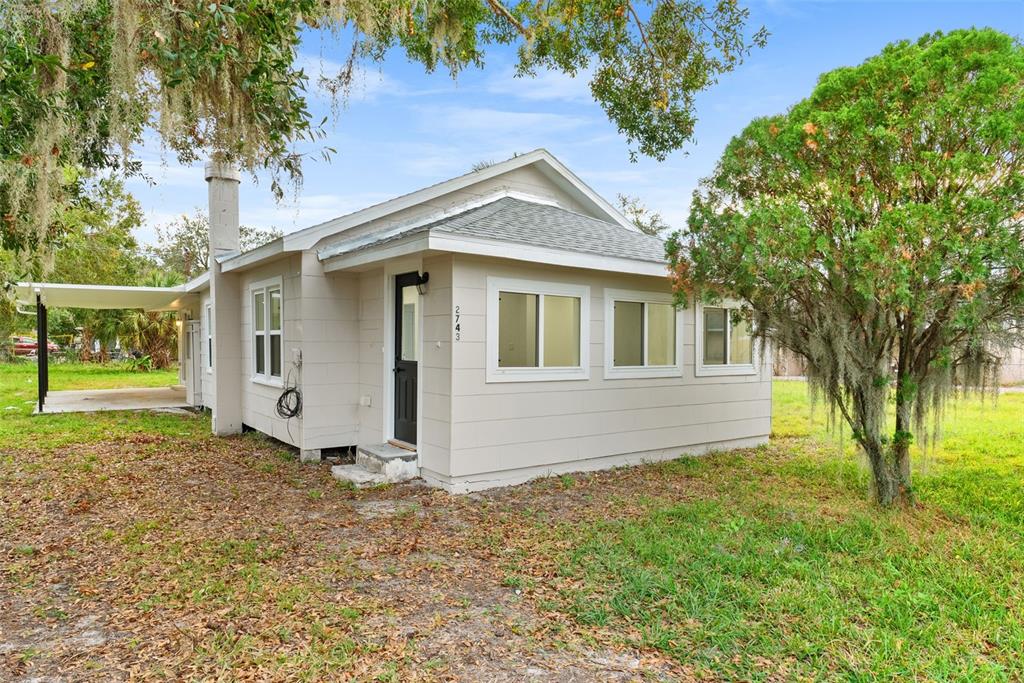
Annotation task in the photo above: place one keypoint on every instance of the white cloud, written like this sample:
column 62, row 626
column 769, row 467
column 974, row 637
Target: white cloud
column 498, row 124
column 546, row 85
column 307, row 210
column 367, row 84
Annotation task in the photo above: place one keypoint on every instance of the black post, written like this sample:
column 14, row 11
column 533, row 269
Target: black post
column 42, row 351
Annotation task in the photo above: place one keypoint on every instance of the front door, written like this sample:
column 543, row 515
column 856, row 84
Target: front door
column 193, row 348
column 407, row 349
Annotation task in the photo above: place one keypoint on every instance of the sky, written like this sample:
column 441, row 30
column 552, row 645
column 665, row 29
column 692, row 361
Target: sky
column 402, row 129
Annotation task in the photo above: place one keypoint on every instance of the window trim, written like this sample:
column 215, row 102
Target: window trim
column 542, row 288
column 728, row 369
column 612, row 371
column 209, row 337
column 265, row 287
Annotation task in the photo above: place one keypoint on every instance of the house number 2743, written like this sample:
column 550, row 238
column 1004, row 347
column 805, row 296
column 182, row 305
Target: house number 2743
column 458, row 325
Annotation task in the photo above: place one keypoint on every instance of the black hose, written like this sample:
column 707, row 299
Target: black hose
column 289, row 403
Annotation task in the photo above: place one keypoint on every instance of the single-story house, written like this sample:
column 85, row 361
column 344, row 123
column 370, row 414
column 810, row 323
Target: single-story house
column 499, row 326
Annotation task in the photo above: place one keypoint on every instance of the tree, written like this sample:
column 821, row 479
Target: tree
column 94, row 235
column 183, row 245
column 152, row 333
column 647, row 221
column 80, row 82
column 877, row 230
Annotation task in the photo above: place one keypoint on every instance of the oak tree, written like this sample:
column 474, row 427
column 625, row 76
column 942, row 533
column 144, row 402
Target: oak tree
column 876, row 229
column 81, row 81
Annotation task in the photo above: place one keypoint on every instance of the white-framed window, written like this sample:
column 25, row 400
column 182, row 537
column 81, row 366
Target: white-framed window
column 641, row 336
column 724, row 343
column 209, row 337
column 537, row 331
column 267, row 336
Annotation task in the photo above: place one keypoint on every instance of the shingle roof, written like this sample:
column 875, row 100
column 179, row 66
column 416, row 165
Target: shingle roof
column 523, row 222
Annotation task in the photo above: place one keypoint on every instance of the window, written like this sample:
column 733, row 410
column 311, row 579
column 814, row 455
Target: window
column 724, row 342
column 536, row 331
column 640, row 335
column 209, row 337
column 266, row 329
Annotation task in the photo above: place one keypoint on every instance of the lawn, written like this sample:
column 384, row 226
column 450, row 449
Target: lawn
column 139, row 546
column 18, row 396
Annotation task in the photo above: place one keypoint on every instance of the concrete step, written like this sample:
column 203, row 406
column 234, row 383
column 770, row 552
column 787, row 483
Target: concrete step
column 379, row 464
column 398, row 464
column 357, row 475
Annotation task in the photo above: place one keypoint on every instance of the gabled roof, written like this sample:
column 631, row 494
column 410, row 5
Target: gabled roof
column 513, row 228
column 524, row 222
column 541, row 159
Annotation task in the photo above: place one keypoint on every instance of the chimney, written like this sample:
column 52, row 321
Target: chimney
column 223, row 179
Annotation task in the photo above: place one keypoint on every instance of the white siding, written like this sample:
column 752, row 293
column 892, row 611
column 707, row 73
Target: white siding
column 371, row 355
column 502, row 430
column 259, row 400
column 435, row 373
column 330, row 353
column 206, row 377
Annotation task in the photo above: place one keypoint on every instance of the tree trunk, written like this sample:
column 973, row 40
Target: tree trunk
column 890, row 472
column 890, row 462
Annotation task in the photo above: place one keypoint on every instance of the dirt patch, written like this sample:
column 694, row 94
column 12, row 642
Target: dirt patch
column 138, row 559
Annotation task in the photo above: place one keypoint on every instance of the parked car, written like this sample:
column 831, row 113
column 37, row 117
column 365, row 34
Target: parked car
column 27, row 346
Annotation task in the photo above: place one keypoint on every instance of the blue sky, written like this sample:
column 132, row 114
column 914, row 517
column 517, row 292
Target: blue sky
column 403, row 129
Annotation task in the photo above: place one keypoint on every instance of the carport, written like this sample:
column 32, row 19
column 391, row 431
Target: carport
column 46, row 295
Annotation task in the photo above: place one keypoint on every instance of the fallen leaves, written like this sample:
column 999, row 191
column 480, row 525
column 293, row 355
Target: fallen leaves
column 195, row 563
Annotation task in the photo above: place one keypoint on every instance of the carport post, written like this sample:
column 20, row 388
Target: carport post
column 42, row 351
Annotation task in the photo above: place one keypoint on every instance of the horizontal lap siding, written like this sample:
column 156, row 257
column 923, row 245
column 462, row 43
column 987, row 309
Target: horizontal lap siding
column 435, row 376
column 330, row 356
column 259, row 400
column 206, row 377
column 506, row 426
column 371, row 355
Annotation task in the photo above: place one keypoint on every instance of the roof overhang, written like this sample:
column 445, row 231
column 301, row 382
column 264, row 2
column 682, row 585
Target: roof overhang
column 431, row 241
column 541, row 159
column 105, row 296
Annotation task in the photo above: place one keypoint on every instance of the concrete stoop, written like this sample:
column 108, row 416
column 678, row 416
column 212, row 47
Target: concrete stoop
column 378, row 464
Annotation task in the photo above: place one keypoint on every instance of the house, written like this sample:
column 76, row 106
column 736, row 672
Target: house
column 499, row 326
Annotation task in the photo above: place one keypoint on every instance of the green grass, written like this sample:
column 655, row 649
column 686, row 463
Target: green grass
column 975, row 470
column 19, row 428
column 780, row 567
column 765, row 564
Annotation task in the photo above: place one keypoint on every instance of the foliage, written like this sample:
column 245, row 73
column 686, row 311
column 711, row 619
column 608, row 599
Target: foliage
column 647, row 221
column 96, row 242
column 82, row 81
column 141, row 364
column 183, row 245
column 153, row 334
column 876, row 230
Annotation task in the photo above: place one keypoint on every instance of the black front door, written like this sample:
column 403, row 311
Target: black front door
column 407, row 349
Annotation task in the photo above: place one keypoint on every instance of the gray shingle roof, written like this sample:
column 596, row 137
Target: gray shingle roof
column 523, row 222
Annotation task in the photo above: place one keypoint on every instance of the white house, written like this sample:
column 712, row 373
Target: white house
column 499, row 326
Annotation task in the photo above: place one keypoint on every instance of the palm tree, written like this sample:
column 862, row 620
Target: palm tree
column 155, row 334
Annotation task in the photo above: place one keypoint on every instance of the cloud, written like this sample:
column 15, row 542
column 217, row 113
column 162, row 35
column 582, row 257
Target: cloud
column 497, row 124
column 307, row 210
column 546, row 85
column 367, row 84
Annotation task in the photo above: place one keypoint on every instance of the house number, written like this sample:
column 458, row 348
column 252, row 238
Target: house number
column 458, row 325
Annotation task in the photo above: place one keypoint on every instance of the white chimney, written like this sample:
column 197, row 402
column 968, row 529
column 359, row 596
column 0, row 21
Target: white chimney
column 223, row 179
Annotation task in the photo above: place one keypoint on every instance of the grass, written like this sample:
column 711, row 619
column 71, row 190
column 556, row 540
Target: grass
column 19, row 428
column 781, row 568
column 226, row 559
